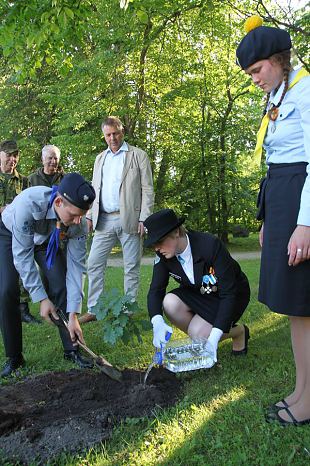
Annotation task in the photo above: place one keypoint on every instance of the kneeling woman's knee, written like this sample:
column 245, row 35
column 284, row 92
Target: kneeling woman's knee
column 170, row 304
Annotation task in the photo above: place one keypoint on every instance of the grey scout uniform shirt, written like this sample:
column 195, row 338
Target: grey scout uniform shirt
column 31, row 223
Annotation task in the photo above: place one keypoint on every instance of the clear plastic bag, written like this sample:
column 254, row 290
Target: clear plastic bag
column 187, row 355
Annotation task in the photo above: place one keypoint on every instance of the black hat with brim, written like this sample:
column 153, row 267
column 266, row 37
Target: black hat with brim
column 76, row 190
column 160, row 224
column 261, row 43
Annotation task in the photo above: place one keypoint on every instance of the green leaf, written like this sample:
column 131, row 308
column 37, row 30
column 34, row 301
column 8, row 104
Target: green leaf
column 62, row 19
column 143, row 17
column 69, row 12
column 109, row 335
column 123, row 319
column 117, row 308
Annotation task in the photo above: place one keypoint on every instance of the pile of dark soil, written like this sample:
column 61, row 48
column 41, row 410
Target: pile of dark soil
column 71, row 411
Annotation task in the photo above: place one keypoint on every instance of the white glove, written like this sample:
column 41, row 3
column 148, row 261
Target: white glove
column 160, row 328
column 213, row 341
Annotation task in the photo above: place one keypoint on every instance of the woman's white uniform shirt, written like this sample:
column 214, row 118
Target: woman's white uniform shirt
column 288, row 137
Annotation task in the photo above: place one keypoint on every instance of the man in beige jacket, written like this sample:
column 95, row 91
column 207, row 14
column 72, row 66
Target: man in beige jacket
column 122, row 179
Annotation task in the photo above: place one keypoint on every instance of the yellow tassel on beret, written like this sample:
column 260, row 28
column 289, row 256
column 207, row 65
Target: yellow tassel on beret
column 252, row 22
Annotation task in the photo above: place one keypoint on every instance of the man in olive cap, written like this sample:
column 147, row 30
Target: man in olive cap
column 11, row 184
column 37, row 214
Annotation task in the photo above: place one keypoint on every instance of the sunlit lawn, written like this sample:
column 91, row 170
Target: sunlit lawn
column 219, row 418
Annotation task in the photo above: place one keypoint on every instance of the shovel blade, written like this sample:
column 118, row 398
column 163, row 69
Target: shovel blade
column 109, row 370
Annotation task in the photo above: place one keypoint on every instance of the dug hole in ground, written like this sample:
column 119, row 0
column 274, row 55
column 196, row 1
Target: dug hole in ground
column 43, row 416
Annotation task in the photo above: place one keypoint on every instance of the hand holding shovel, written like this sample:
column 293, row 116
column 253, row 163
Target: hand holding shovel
column 104, row 365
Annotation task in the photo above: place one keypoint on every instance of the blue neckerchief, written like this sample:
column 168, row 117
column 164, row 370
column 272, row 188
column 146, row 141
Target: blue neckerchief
column 180, row 259
column 53, row 195
column 53, row 243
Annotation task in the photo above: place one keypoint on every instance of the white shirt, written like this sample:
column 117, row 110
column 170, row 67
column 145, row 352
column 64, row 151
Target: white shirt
column 111, row 179
column 187, row 265
column 288, row 138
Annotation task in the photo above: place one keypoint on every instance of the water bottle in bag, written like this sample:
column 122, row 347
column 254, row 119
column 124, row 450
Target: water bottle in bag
column 188, row 354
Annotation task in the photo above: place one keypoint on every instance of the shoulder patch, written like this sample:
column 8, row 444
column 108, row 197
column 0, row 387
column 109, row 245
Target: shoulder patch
column 27, row 228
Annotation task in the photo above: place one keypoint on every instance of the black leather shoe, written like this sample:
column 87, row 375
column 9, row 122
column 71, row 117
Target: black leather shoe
column 26, row 316
column 246, row 339
column 11, row 365
column 74, row 356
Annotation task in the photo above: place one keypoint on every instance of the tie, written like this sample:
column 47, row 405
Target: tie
column 264, row 124
column 180, row 259
column 53, row 243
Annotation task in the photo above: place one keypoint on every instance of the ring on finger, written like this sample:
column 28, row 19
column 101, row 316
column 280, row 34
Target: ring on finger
column 299, row 251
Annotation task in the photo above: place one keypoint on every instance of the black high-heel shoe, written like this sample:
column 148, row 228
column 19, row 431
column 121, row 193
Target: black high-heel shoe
column 246, row 339
column 275, row 416
column 274, row 408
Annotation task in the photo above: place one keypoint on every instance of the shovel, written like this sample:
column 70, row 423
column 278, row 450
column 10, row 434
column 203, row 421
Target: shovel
column 104, row 365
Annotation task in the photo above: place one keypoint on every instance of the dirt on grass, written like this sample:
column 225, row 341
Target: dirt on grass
column 43, row 416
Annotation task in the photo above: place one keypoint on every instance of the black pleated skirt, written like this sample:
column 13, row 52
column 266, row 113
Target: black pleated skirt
column 207, row 305
column 284, row 289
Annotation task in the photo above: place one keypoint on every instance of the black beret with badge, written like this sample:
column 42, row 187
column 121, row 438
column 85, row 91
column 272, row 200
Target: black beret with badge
column 261, row 42
column 76, row 190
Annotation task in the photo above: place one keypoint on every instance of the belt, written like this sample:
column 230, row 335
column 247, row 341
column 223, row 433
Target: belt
column 116, row 212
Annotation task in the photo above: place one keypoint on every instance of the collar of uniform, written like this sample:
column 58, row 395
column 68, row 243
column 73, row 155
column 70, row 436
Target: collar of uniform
column 187, row 253
column 123, row 148
column 15, row 174
column 51, row 213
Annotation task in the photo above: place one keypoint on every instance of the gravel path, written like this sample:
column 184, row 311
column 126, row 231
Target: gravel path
column 118, row 261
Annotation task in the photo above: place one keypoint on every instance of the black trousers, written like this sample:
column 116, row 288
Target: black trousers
column 10, row 318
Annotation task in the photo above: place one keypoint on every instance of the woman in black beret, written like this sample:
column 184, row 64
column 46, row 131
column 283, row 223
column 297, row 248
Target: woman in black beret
column 284, row 198
column 213, row 291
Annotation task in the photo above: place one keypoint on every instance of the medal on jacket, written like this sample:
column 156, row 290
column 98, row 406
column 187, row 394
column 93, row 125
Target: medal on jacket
column 209, row 283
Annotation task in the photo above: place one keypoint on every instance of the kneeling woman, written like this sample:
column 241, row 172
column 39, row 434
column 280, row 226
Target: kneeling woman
column 213, row 292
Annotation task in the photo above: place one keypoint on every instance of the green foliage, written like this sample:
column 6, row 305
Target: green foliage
column 167, row 69
column 118, row 316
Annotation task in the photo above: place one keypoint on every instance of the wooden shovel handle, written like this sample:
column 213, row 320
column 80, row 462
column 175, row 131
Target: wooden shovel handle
column 63, row 317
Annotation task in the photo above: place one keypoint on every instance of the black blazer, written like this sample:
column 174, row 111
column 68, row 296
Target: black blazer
column 207, row 251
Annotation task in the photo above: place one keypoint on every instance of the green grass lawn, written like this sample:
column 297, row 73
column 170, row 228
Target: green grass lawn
column 248, row 244
column 219, row 418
